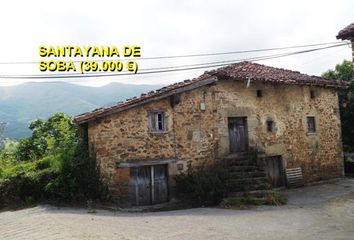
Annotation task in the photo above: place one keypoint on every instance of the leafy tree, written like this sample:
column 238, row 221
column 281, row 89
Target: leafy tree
column 2, row 138
column 345, row 72
column 7, row 152
column 57, row 133
column 52, row 163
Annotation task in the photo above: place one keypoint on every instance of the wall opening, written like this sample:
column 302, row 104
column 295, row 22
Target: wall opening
column 148, row 185
column 312, row 94
column 238, row 134
column 270, row 125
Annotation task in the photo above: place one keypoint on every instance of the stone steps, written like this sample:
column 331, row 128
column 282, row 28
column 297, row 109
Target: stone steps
column 241, row 174
column 246, row 188
column 246, row 178
column 253, row 194
column 245, row 168
column 239, row 162
column 248, row 184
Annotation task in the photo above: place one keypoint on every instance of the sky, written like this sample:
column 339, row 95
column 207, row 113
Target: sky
column 165, row 28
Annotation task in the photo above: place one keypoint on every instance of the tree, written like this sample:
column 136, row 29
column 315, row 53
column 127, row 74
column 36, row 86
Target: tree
column 345, row 72
column 7, row 152
column 51, row 163
column 2, row 138
column 48, row 137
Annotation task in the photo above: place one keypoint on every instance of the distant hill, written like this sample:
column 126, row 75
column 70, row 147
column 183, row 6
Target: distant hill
column 22, row 103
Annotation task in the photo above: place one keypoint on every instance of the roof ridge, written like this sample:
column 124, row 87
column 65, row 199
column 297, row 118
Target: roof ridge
column 275, row 68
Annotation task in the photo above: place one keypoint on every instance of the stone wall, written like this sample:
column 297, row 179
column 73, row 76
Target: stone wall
column 319, row 154
column 197, row 136
column 125, row 137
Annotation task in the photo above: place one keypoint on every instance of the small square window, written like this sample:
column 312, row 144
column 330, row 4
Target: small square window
column 180, row 166
column 157, row 121
column 259, row 93
column 270, row 125
column 312, row 94
column 311, row 125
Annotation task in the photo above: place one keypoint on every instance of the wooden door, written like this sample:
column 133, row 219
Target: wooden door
column 148, row 185
column 140, row 185
column 274, row 171
column 160, row 184
column 238, row 134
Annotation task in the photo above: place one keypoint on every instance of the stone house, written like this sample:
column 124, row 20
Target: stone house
column 140, row 144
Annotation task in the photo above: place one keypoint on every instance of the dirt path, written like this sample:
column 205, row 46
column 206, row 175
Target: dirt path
column 316, row 212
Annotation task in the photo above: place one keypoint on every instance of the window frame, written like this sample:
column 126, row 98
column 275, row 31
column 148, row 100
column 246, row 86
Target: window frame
column 155, row 122
column 311, row 130
column 270, row 126
column 312, row 94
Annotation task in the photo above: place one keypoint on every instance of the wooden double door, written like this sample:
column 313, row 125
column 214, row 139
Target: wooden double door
column 148, row 185
column 238, row 136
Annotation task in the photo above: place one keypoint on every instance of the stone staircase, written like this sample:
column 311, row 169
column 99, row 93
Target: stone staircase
column 246, row 177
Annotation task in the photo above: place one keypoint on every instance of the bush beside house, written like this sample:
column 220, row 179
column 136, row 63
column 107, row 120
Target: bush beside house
column 52, row 164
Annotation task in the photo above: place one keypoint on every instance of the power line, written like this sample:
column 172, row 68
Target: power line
column 168, row 69
column 165, row 69
column 199, row 54
column 258, row 58
column 243, row 51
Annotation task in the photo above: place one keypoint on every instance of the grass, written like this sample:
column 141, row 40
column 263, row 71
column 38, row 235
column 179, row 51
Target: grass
column 274, row 198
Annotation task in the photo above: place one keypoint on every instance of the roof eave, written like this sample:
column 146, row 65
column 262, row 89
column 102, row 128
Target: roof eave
column 89, row 117
column 325, row 83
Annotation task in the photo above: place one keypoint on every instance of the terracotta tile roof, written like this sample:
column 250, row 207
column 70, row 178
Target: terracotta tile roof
column 346, row 33
column 145, row 98
column 263, row 73
column 243, row 71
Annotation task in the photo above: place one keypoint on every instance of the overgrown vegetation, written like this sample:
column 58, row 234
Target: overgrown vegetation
column 345, row 72
column 204, row 187
column 349, row 165
column 209, row 187
column 52, row 164
column 273, row 198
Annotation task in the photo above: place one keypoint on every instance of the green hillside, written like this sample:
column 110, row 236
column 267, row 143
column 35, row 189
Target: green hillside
column 22, row 103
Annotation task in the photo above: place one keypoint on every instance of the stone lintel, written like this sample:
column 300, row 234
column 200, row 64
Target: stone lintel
column 140, row 163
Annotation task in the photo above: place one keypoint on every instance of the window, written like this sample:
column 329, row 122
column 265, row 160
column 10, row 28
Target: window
column 270, row 125
column 157, row 121
column 311, row 125
column 259, row 93
column 312, row 94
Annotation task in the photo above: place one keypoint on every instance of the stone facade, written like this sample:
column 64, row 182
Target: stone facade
column 197, row 130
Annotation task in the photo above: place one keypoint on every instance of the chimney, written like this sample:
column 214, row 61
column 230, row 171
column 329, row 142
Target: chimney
column 347, row 33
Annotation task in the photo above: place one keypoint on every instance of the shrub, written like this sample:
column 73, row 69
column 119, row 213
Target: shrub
column 349, row 165
column 241, row 202
column 205, row 187
column 78, row 178
column 53, row 164
column 20, row 187
column 273, row 198
column 276, row 198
